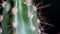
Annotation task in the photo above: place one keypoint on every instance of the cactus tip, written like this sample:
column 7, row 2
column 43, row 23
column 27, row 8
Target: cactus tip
column 14, row 24
column 38, row 20
column 35, row 8
column 30, row 15
column 1, row 18
column 4, row 3
column 27, row 2
column 14, row 10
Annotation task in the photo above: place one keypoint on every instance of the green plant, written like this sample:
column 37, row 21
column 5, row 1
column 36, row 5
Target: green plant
column 21, row 18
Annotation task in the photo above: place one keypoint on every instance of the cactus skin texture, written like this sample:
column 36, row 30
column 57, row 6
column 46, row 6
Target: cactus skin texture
column 7, row 18
column 20, row 18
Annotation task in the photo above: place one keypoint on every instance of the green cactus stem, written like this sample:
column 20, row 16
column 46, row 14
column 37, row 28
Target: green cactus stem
column 21, row 18
column 7, row 18
column 26, row 18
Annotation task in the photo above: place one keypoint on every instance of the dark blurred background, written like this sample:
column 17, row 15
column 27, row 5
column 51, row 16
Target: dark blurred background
column 52, row 15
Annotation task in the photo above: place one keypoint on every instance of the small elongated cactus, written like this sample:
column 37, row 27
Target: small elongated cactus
column 19, row 17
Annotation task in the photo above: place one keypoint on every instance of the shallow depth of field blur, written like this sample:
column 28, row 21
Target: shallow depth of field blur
column 29, row 17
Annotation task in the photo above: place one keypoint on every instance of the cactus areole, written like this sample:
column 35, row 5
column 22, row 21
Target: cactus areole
column 20, row 19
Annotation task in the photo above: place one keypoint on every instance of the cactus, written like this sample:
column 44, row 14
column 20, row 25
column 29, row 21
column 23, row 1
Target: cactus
column 19, row 17
column 7, row 18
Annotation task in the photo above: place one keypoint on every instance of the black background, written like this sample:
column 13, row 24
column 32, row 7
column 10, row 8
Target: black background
column 52, row 15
